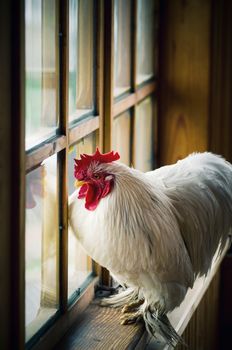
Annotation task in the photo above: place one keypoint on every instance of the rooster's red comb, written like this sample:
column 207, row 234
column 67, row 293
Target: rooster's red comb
column 86, row 159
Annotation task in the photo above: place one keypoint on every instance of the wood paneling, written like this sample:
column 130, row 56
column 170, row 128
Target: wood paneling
column 221, row 79
column 226, row 302
column 195, row 111
column 5, row 173
column 184, row 78
column 202, row 330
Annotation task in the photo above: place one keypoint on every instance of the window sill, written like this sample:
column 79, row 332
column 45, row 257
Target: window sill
column 99, row 327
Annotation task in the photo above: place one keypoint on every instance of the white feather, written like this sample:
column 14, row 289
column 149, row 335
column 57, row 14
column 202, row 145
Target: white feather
column 157, row 231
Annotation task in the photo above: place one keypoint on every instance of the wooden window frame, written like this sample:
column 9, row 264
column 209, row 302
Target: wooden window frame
column 107, row 108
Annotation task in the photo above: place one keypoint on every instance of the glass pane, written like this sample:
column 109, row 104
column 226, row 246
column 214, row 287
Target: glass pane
column 42, row 247
column 122, row 137
column 146, row 39
column 79, row 263
column 143, row 135
column 122, row 46
column 41, row 70
column 81, row 58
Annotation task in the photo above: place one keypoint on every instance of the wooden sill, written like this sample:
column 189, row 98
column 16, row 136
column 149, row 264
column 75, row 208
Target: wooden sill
column 100, row 328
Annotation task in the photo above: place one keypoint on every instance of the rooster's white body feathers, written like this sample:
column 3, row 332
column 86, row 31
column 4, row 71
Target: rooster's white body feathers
column 157, row 231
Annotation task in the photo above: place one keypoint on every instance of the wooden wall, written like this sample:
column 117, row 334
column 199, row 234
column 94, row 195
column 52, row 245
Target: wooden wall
column 184, row 78
column 202, row 330
column 195, row 110
column 221, row 79
column 195, row 114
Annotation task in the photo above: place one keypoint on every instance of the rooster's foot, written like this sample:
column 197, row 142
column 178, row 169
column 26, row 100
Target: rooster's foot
column 131, row 318
column 134, row 305
column 105, row 291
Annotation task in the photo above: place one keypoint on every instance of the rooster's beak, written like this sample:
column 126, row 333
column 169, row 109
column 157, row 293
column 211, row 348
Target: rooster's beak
column 79, row 183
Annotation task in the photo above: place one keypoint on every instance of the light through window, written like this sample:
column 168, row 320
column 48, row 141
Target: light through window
column 41, row 70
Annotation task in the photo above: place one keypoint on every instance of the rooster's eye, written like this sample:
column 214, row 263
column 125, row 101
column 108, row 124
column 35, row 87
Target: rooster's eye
column 96, row 176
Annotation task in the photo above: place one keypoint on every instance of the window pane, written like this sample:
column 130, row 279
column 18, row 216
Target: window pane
column 122, row 46
column 122, row 137
column 42, row 237
column 146, row 39
column 79, row 263
column 41, row 70
column 81, row 58
column 143, row 135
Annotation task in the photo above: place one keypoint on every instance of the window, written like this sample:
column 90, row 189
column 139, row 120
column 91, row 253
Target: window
column 79, row 264
column 41, row 245
column 41, row 66
column 90, row 80
column 82, row 58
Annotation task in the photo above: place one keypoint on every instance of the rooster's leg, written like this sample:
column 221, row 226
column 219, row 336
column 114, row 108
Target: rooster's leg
column 134, row 305
column 105, row 291
column 131, row 318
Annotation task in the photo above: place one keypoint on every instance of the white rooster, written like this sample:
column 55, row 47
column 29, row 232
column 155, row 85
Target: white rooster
column 156, row 231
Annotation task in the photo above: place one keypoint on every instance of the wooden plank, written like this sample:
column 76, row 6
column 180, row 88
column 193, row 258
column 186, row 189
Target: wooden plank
column 6, row 176
column 108, row 86
column 97, row 269
column 35, row 157
column 225, row 320
column 155, row 97
column 100, row 68
column 133, row 44
column 134, row 98
column 204, row 321
column 108, row 73
column 17, row 159
column 63, row 157
column 124, row 104
column 100, row 329
column 145, row 91
column 83, row 129
column 184, row 78
column 221, row 80
column 156, row 135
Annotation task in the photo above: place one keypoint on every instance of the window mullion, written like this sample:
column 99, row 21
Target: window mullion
column 133, row 73
column 108, row 91
column 64, row 69
column 133, row 45
column 155, row 100
column 100, row 67
column 108, row 73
